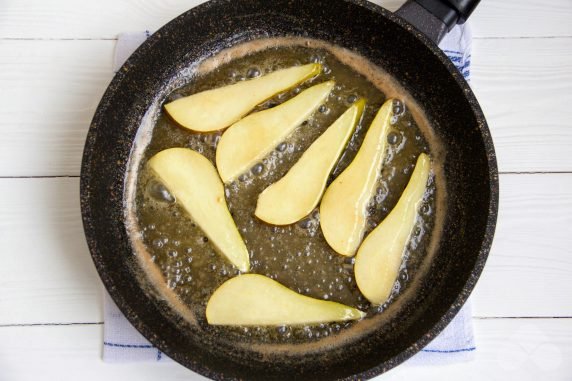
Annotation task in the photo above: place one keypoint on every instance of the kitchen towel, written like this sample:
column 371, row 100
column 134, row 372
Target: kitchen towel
column 123, row 343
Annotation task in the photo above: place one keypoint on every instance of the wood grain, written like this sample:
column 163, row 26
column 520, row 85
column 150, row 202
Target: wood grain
column 72, row 353
column 517, row 19
column 48, row 277
column 107, row 18
column 525, row 97
column 48, row 93
column 92, row 20
column 530, row 267
column 525, row 89
column 512, row 348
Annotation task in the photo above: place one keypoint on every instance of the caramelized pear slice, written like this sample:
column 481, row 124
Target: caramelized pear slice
column 379, row 257
column 343, row 208
column 250, row 139
column 216, row 109
column 194, row 182
column 253, row 299
column 299, row 191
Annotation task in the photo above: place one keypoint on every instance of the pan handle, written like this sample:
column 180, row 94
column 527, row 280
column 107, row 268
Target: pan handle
column 435, row 18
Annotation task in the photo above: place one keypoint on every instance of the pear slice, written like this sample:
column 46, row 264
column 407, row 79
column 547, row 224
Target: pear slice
column 253, row 299
column 379, row 257
column 216, row 109
column 343, row 208
column 252, row 138
column 194, row 182
column 297, row 193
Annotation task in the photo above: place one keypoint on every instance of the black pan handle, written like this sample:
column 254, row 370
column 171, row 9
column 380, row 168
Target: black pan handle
column 436, row 18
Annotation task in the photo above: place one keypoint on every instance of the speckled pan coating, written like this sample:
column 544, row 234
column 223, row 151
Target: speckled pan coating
column 470, row 166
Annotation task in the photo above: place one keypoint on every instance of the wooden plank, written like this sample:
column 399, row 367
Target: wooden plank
column 515, row 348
column 530, row 267
column 516, row 19
column 107, row 18
column 72, row 353
column 93, row 20
column 525, row 89
column 525, row 97
column 47, row 275
column 48, row 93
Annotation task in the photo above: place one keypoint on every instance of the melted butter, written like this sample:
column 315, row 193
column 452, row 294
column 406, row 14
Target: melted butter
column 296, row 255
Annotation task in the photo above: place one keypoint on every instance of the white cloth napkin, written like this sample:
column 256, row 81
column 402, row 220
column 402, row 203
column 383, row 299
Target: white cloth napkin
column 123, row 343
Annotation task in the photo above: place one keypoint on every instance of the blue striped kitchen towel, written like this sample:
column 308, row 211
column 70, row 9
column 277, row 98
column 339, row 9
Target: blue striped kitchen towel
column 123, row 343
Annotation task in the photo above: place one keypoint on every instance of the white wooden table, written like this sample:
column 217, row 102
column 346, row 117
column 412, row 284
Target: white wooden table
column 55, row 62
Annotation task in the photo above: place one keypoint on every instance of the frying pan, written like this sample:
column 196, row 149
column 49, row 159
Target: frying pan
column 387, row 40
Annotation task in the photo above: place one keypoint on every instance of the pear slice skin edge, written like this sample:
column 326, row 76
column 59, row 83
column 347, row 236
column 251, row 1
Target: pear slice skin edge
column 249, row 140
column 216, row 109
column 296, row 194
column 256, row 300
column 344, row 206
column 195, row 183
column 379, row 257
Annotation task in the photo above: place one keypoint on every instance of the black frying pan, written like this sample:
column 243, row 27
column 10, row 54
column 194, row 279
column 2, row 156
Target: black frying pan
column 386, row 40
